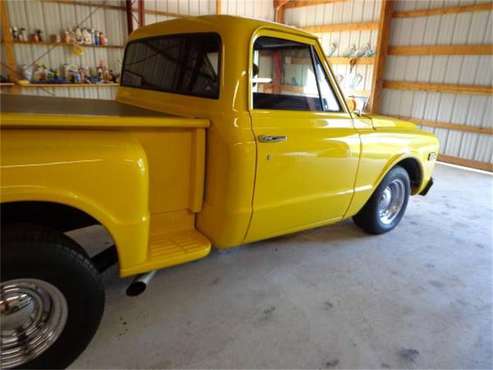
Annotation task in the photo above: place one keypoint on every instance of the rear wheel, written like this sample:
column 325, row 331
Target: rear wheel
column 51, row 299
column 387, row 205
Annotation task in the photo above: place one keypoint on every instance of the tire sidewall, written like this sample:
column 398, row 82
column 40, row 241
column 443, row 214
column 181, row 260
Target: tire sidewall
column 75, row 277
column 395, row 173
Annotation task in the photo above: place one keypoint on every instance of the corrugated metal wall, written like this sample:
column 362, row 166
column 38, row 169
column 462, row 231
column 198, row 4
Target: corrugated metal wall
column 475, row 110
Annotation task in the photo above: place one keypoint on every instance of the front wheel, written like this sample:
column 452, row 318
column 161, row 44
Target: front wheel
column 51, row 299
column 387, row 205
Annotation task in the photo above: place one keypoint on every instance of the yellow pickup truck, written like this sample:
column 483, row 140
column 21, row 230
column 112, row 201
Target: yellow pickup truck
column 225, row 131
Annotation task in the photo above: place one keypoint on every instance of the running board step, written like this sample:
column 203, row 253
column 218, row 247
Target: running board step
column 171, row 249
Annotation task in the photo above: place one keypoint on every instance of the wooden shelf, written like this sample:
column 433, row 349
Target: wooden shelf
column 358, row 93
column 442, row 50
column 63, row 44
column 449, row 126
column 44, row 85
column 301, row 3
column 484, row 166
column 344, row 60
column 443, row 11
column 441, row 88
column 337, row 27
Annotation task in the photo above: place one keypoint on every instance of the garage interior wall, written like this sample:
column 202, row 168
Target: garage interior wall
column 444, row 108
column 438, row 71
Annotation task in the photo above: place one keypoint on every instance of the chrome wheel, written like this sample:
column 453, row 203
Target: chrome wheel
column 33, row 315
column 391, row 201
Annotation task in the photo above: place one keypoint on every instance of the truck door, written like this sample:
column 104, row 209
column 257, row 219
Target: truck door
column 307, row 147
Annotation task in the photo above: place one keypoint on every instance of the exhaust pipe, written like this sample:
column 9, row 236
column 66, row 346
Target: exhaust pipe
column 140, row 283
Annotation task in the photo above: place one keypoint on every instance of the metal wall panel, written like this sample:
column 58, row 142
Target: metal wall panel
column 475, row 110
column 352, row 11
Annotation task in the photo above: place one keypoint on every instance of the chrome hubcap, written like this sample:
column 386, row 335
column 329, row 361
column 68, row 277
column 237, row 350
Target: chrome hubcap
column 391, row 201
column 33, row 314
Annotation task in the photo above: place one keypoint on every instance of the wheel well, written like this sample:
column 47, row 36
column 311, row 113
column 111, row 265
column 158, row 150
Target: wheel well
column 414, row 171
column 54, row 215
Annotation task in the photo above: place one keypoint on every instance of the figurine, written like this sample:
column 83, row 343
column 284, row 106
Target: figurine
column 332, row 49
column 78, row 35
column 35, row 37
column 50, row 75
column 56, row 38
column 39, row 73
column 97, row 40
column 66, row 37
column 86, row 35
column 369, row 52
column 71, row 73
column 22, row 34
column 93, row 36
column 361, row 51
column 84, row 75
column 99, row 73
column 103, row 40
column 27, row 72
column 349, row 52
column 107, row 77
column 39, row 33
column 15, row 33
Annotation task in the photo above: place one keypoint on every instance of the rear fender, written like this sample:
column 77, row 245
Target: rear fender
column 102, row 173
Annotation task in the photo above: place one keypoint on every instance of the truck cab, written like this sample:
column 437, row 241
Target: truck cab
column 225, row 131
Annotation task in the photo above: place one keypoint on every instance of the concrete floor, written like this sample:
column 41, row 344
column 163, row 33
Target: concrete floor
column 334, row 297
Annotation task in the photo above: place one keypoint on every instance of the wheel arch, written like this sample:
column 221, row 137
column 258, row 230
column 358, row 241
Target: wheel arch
column 414, row 170
column 51, row 215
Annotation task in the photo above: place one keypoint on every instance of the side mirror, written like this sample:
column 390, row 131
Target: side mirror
column 351, row 104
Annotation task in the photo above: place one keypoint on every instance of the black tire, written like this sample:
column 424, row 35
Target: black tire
column 368, row 217
column 50, row 256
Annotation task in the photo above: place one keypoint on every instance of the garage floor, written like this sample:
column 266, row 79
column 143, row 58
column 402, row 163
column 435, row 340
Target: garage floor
column 334, row 297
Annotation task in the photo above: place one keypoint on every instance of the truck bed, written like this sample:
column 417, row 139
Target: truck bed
column 24, row 110
column 84, row 139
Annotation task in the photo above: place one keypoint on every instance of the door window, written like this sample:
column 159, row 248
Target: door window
column 329, row 100
column 283, row 76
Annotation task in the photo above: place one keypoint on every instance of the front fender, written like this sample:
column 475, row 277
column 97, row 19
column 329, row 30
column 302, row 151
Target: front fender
column 102, row 173
column 381, row 151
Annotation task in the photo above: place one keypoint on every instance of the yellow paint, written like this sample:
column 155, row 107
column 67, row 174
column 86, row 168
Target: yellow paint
column 166, row 188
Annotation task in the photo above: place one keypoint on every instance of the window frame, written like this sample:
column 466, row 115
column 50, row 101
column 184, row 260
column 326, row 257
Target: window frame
column 315, row 48
column 316, row 58
column 184, row 35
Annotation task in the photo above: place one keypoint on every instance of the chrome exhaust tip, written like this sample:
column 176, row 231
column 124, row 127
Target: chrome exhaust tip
column 140, row 283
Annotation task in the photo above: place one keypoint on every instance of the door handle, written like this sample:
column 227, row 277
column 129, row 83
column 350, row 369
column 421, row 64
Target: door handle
column 272, row 139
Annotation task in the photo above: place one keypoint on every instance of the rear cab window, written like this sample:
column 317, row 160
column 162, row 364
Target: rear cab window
column 186, row 64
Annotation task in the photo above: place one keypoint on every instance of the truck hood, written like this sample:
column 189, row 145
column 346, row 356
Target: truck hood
column 379, row 121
